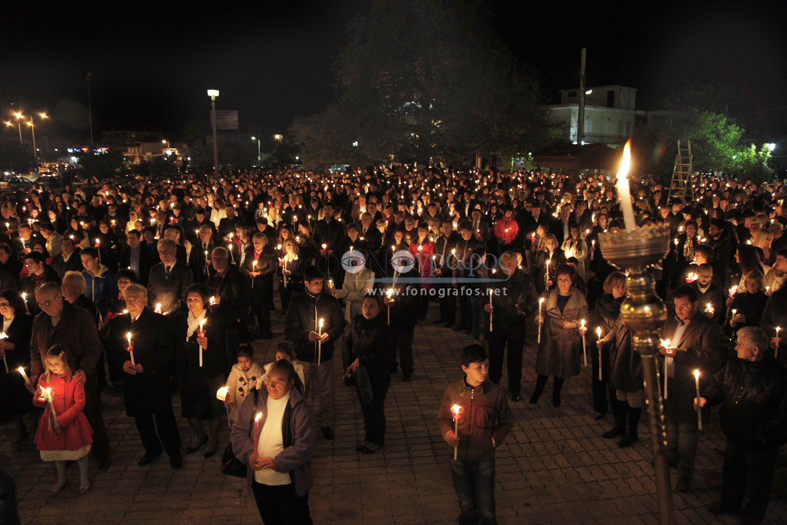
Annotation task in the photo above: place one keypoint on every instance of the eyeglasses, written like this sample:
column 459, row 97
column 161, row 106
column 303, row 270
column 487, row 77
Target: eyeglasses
column 4, row 304
column 47, row 304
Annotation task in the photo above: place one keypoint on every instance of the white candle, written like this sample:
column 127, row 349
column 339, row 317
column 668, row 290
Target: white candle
column 232, row 255
column 665, row 344
column 253, row 267
column 456, row 412
column 584, row 347
column 491, row 293
column 389, row 293
column 24, row 375
column 221, row 393
column 624, row 194
column 776, row 350
column 540, row 302
column 201, row 334
column 319, row 343
column 24, row 298
column 546, row 273
column 130, row 348
column 699, row 412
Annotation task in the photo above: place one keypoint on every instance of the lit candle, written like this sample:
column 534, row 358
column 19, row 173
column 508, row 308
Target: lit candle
column 324, row 247
column 699, row 412
column 540, row 302
column 130, row 348
column 232, row 255
column 733, row 290
column 158, row 308
column 24, row 375
column 257, row 430
column 389, row 293
column 50, row 398
column 734, row 313
column 212, row 300
column 24, row 298
column 584, row 347
column 598, row 333
column 778, row 341
column 546, row 273
column 319, row 343
column 456, row 412
column 624, row 195
column 491, row 293
column 98, row 249
column 201, row 334
column 709, row 308
column 665, row 344
column 221, row 393
column 253, row 269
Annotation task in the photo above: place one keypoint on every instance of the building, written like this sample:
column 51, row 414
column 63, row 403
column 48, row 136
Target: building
column 610, row 116
column 139, row 146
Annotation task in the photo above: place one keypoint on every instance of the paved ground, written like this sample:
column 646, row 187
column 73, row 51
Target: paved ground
column 552, row 468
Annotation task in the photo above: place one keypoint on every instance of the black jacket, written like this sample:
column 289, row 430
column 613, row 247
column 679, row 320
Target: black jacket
column 369, row 341
column 753, row 398
column 231, row 294
column 303, row 314
column 513, row 300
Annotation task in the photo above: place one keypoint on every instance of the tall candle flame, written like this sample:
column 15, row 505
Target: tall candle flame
column 625, row 164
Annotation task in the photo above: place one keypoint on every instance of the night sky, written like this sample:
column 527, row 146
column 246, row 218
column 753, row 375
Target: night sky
column 151, row 65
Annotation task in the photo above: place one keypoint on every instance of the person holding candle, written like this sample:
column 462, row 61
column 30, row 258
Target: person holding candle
column 146, row 382
column 37, row 273
column 201, row 362
column 694, row 344
column 775, row 314
column 241, row 381
column 486, row 421
column 259, row 267
column 423, row 249
column 575, row 247
column 201, row 248
column 231, row 302
column 513, row 299
column 467, row 256
column 748, row 304
column 279, row 452
column 708, row 293
column 605, row 313
column 65, row 434
column 366, row 347
column 561, row 343
column 445, row 250
column 17, row 326
column 328, row 231
column 291, row 267
column 62, row 323
column 301, row 327
column 358, row 282
column 747, row 260
column 545, row 273
column 752, row 392
column 168, row 280
column 99, row 280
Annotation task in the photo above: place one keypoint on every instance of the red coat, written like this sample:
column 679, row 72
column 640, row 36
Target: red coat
column 69, row 403
column 424, row 259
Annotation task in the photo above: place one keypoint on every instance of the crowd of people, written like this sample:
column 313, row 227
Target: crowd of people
column 152, row 287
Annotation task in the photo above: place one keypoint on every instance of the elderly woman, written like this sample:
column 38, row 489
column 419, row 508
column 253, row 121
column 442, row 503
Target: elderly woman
column 605, row 313
column 15, row 400
column 365, row 351
column 278, row 446
column 561, row 337
column 201, row 361
column 358, row 282
column 748, row 305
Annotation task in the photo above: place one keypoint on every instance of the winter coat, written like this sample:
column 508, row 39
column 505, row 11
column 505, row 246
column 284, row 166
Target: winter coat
column 513, row 300
column 698, row 348
column 262, row 289
column 100, row 287
column 231, row 293
column 557, row 259
column 355, row 287
column 403, row 313
column 214, row 358
column 76, row 330
column 303, row 314
column 239, row 384
column 753, row 398
column 626, row 363
column 560, row 349
column 69, row 403
column 152, row 335
column 370, row 341
column 169, row 291
column 486, row 417
column 423, row 259
column 775, row 314
column 298, row 433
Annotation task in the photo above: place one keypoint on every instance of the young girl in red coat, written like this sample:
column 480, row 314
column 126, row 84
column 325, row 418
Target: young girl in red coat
column 64, row 435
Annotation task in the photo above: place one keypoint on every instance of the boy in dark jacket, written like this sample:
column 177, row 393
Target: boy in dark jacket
column 483, row 424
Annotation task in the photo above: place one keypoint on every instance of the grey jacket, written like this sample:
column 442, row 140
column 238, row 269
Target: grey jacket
column 298, row 431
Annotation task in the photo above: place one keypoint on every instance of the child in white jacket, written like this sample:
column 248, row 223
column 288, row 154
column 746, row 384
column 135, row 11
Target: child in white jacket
column 243, row 377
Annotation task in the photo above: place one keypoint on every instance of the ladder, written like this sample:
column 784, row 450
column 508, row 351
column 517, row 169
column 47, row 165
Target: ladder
column 681, row 185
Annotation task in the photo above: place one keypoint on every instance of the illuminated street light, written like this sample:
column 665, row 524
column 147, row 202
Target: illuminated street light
column 259, row 154
column 213, row 94
column 19, row 116
column 771, row 146
column 278, row 137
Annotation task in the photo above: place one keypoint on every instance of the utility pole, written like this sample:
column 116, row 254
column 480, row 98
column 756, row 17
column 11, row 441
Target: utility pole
column 581, row 112
column 213, row 94
column 89, row 110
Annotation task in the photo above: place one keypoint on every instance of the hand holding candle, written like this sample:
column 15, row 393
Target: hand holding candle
column 665, row 343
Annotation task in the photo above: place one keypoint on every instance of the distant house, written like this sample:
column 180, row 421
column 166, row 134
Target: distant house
column 610, row 116
column 139, row 146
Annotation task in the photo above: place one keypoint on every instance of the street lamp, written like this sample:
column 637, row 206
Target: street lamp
column 33, row 131
column 213, row 94
column 19, row 117
column 259, row 155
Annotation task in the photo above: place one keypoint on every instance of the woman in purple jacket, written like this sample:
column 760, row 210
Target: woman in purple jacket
column 278, row 448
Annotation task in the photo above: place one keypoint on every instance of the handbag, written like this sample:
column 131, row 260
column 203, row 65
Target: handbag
column 230, row 465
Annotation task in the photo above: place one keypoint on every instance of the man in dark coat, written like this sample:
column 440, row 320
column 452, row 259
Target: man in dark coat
column 709, row 293
column 199, row 260
column 61, row 323
column 168, row 280
column 404, row 287
column 466, row 267
column 328, row 231
column 136, row 257
column 146, row 381
column 512, row 301
column 693, row 345
column 230, row 300
column 445, row 247
column 301, row 327
column 752, row 391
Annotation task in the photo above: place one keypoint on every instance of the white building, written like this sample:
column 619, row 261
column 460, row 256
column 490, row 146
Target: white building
column 610, row 116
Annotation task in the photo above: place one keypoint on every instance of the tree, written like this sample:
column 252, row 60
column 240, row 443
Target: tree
column 100, row 164
column 423, row 79
column 15, row 157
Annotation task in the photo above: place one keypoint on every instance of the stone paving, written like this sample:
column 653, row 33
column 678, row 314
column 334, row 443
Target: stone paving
column 552, row 468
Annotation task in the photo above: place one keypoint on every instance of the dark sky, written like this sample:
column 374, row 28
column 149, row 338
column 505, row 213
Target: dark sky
column 151, row 64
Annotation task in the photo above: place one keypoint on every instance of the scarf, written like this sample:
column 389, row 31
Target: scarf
column 193, row 323
column 688, row 249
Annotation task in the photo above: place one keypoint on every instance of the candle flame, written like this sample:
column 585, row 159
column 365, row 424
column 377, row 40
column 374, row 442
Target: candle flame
column 665, row 343
column 626, row 162
column 321, row 323
column 582, row 323
column 259, row 415
column 697, row 373
column 128, row 336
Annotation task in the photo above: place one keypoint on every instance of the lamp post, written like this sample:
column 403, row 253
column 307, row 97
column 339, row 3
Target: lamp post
column 259, row 155
column 213, row 93
column 19, row 118
column 33, row 131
